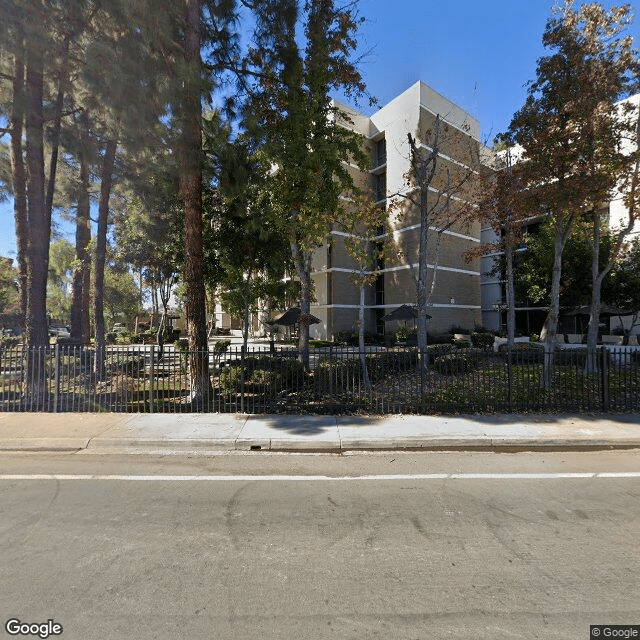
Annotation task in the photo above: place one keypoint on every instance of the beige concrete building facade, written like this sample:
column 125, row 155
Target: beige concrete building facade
column 456, row 297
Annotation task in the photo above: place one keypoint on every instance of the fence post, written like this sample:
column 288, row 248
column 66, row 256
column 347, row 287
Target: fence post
column 509, row 378
column 604, row 378
column 151, row 376
column 242, row 374
column 56, row 378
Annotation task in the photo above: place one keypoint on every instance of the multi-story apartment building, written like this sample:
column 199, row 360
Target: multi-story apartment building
column 456, row 299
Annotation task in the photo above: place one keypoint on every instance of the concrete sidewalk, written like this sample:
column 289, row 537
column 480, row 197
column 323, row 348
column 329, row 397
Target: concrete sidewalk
column 136, row 433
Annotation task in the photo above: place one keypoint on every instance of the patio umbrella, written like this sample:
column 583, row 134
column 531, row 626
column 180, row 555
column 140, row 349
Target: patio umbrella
column 403, row 312
column 291, row 317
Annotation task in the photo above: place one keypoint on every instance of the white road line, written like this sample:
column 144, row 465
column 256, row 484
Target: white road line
column 319, row 478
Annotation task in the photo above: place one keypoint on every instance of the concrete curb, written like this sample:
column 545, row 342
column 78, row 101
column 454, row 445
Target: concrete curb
column 45, row 444
column 141, row 445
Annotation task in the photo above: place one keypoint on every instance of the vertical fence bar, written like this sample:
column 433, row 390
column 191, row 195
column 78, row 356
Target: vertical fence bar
column 604, row 368
column 56, row 378
column 151, row 377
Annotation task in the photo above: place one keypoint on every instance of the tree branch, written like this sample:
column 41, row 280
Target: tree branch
column 64, row 114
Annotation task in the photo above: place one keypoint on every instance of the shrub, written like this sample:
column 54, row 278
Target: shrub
column 266, row 378
column 317, row 344
column 458, row 362
column 291, row 372
column 350, row 338
column 9, row 342
column 380, row 365
column 144, row 337
column 123, row 337
column 402, row 333
column 438, row 338
column 284, row 373
column 231, row 379
column 523, row 352
column 132, row 366
column 337, row 371
column 439, row 349
column 347, row 338
column 578, row 357
column 482, row 340
column 219, row 347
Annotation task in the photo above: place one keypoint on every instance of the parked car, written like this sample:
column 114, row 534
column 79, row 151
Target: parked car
column 59, row 332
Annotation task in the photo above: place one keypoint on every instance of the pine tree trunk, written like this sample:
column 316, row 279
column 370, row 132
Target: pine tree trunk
column 81, row 273
column 101, row 252
column 55, row 138
column 19, row 174
column 191, row 194
column 38, row 240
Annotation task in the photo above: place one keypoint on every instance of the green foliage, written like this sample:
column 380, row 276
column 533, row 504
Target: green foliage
column 328, row 374
column 350, row 338
column 534, row 267
column 266, row 378
column 62, row 262
column 9, row 292
column 439, row 349
column 387, row 363
column 458, row 363
column 279, row 373
column 221, row 347
column 318, row 344
column 9, row 342
column 523, row 352
column 250, row 249
column 482, row 339
column 121, row 296
column 231, row 379
column 124, row 364
column 124, row 337
column 623, row 288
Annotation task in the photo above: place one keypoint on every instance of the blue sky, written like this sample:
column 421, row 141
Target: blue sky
column 479, row 54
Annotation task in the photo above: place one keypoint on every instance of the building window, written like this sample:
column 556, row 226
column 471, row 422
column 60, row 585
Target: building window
column 381, row 152
column 380, row 186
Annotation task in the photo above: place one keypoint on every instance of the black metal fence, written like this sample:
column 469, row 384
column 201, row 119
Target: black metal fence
column 444, row 379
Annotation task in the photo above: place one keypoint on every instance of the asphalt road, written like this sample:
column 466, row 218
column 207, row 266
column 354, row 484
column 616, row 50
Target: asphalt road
column 268, row 546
